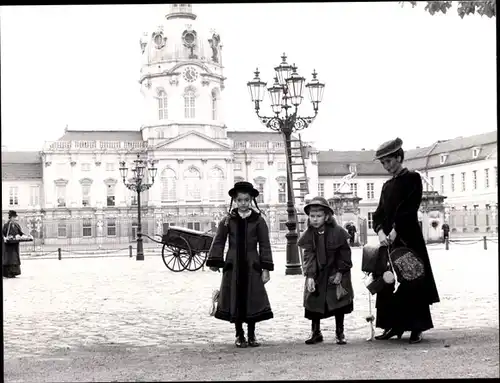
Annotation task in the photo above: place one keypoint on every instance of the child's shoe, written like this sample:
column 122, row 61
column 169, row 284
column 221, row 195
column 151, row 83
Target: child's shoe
column 340, row 337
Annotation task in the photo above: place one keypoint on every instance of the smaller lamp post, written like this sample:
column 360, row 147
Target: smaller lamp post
column 138, row 185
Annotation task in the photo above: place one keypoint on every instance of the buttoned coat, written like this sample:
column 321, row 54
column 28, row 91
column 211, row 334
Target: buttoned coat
column 338, row 259
column 243, row 296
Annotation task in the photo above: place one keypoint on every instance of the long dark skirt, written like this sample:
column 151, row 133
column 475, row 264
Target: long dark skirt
column 11, row 261
column 313, row 315
column 11, row 271
column 403, row 310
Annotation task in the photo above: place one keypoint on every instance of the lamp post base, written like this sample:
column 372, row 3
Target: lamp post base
column 140, row 250
column 293, row 270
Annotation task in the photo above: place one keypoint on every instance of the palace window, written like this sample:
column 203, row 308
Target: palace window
column 260, row 188
column 282, row 192
column 452, row 182
column 237, row 166
column 62, row 229
column 13, row 196
column 87, row 227
column 111, row 227
column 442, row 184
column 464, row 185
column 110, row 167
column 214, row 105
column 370, row 190
column 34, row 195
column 281, row 165
column 168, row 181
column 486, row 178
column 85, row 194
column 193, row 226
column 162, row 105
column 370, row 220
column 61, row 195
column 336, row 187
column 474, row 179
column 321, row 189
column 85, row 167
column 189, row 104
column 259, row 165
column 354, row 189
column 110, row 194
column 217, row 185
column 192, row 180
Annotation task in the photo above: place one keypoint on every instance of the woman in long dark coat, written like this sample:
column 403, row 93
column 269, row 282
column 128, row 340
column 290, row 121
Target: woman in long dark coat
column 396, row 223
column 327, row 263
column 243, row 297
column 11, row 261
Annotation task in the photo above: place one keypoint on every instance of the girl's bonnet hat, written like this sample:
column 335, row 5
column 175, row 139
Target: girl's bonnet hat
column 245, row 187
column 318, row 201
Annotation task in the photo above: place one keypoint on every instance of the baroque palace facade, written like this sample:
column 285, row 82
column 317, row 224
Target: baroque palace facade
column 72, row 189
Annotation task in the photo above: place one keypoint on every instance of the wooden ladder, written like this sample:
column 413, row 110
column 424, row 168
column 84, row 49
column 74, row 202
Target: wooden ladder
column 300, row 184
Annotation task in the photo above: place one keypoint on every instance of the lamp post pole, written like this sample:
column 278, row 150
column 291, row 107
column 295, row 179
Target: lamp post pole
column 138, row 185
column 285, row 94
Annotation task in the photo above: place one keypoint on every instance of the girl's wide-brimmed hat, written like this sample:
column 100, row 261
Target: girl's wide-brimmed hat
column 387, row 148
column 245, row 187
column 318, row 201
column 12, row 213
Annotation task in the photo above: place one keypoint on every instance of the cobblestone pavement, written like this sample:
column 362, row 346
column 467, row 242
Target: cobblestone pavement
column 56, row 306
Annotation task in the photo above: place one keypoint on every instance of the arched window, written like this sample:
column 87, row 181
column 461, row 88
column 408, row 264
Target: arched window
column 192, row 180
column 217, row 185
column 162, row 105
column 168, row 186
column 214, row 104
column 189, row 103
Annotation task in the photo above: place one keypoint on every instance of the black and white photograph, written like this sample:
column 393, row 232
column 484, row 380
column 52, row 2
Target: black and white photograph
column 249, row 191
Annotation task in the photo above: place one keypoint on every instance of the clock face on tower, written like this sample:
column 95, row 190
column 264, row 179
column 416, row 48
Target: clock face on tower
column 190, row 74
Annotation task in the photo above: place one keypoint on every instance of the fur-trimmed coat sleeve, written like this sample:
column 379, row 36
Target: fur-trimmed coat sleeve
column 310, row 264
column 216, row 252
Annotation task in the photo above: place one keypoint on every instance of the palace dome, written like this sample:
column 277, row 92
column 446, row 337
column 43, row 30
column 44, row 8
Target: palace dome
column 181, row 37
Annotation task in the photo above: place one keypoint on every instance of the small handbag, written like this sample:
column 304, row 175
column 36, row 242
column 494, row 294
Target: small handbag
column 341, row 292
column 213, row 302
column 376, row 285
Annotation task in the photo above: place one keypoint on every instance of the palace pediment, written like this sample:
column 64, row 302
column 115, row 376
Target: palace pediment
column 192, row 141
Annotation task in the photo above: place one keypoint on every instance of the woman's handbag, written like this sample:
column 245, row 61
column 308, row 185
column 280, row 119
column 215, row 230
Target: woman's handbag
column 406, row 264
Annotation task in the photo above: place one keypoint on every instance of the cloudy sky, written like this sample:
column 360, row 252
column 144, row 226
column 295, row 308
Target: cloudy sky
column 389, row 70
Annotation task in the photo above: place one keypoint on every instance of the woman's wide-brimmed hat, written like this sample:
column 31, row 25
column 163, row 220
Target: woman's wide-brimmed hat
column 388, row 147
column 318, row 201
column 245, row 187
column 12, row 213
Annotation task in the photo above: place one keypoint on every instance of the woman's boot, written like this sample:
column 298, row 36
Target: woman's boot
column 316, row 336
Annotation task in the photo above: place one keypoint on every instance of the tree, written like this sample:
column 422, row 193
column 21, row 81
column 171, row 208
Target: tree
column 484, row 8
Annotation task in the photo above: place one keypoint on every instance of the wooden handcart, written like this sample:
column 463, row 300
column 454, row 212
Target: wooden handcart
column 185, row 249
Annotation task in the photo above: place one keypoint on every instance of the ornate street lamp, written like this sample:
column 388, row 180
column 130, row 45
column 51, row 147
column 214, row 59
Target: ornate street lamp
column 286, row 93
column 138, row 185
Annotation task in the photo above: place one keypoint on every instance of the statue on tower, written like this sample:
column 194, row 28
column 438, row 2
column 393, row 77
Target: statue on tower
column 214, row 44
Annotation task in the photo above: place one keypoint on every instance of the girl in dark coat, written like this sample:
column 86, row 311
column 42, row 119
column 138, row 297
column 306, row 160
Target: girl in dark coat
column 396, row 223
column 243, row 297
column 327, row 263
column 11, row 261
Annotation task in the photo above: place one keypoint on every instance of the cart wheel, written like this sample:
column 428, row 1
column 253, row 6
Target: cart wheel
column 174, row 258
column 196, row 261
